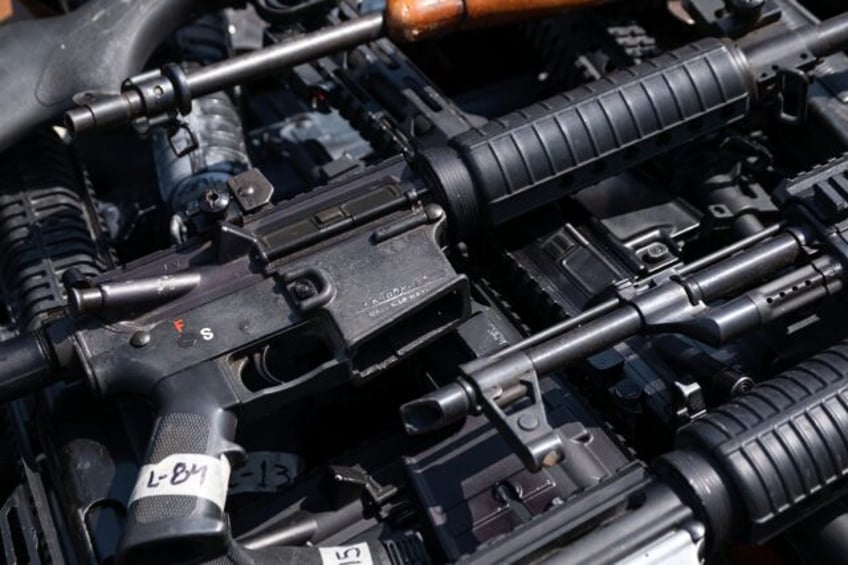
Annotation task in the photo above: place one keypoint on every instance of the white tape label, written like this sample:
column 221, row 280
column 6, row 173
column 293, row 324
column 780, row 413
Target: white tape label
column 358, row 554
column 185, row 474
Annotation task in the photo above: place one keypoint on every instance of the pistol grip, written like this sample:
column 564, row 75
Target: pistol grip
column 178, row 501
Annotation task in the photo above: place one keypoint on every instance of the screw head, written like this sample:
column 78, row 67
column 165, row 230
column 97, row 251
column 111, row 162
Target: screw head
column 627, row 390
column 140, row 338
column 303, row 289
column 656, row 252
column 214, row 202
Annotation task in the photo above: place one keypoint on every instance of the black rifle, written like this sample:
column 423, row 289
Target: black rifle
column 701, row 300
column 272, row 305
column 46, row 61
column 738, row 474
column 535, row 156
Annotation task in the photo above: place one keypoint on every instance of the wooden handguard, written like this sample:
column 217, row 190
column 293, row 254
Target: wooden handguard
column 413, row 20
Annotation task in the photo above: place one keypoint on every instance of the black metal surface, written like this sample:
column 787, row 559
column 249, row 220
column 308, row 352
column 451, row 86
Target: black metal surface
column 93, row 48
column 49, row 224
column 776, row 449
column 163, row 95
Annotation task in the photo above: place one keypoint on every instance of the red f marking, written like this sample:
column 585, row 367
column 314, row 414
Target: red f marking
column 179, row 325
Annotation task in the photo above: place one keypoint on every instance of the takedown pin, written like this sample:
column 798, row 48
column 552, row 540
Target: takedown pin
column 131, row 295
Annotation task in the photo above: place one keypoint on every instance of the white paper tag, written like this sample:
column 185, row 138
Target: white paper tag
column 185, row 474
column 358, row 554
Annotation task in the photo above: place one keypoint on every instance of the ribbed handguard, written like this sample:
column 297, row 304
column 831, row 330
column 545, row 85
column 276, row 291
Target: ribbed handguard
column 539, row 154
column 784, row 445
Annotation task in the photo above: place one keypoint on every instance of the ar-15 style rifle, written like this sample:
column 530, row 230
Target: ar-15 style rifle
column 746, row 470
column 90, row 50
column 534, row 156
column 272, row 305
column 701, row 300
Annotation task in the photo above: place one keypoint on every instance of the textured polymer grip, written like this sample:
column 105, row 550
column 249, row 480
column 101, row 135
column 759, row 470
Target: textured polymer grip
column 784, row 445
column 537, row 155
column 173, row 507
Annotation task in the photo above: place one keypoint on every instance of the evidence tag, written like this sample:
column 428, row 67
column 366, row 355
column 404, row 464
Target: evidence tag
column 265, row 471
column 358, row 554
column 185, row 474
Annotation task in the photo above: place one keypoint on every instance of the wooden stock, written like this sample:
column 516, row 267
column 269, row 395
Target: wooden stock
column 5, row 9
column 412, row 20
